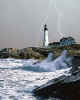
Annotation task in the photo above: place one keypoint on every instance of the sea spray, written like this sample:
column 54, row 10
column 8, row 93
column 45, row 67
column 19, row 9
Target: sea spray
column 19, row 83
column 50, row 65
column 49, row 58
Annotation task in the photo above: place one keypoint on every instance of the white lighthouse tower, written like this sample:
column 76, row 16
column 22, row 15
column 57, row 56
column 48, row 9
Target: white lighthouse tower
column 45, row 37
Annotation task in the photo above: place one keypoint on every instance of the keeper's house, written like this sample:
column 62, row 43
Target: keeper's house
column 65, row 41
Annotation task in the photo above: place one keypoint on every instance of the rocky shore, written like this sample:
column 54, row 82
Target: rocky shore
column 65, row 87
column 38, row 53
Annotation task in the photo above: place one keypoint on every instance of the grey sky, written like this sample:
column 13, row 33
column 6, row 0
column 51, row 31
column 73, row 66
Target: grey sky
column 20, row 21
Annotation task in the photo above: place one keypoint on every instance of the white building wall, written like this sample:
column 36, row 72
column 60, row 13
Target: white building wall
column 45, row 40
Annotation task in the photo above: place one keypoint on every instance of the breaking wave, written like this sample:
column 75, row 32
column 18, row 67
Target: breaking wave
column 47, row 65
column 19, row 77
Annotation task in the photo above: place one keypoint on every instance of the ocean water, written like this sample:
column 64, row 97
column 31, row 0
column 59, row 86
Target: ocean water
column 19, row 77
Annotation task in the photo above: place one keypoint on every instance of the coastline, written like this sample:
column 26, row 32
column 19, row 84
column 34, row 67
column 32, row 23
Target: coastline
column 38, row 53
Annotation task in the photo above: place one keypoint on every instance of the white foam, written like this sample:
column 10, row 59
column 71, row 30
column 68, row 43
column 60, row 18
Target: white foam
column 18, row 84
column 59, row 63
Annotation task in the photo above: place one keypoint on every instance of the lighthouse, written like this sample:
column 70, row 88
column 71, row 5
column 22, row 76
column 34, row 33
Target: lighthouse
column 45, row 37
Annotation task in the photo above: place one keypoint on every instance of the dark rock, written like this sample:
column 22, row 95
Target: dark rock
column 64, row 87
column 75, row 64
column 39, row 53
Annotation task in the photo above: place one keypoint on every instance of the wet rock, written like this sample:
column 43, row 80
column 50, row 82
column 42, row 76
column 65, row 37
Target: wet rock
column 63, row 87
column 75, row 64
